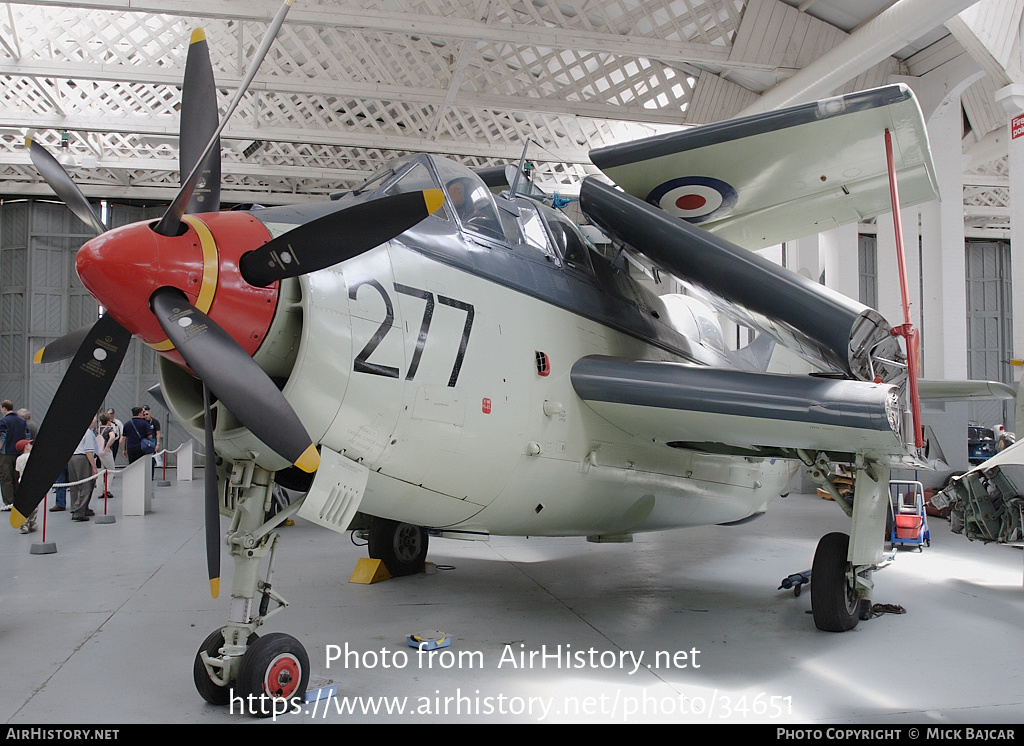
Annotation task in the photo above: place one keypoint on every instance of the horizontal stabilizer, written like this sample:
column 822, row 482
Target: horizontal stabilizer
column 699, row 407
column 963, row 390
column 784, row 174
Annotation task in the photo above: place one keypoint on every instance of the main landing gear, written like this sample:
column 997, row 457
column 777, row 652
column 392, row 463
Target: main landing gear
column 841, row 575
column 834, row 601
column 235, row 666
column 401, row 546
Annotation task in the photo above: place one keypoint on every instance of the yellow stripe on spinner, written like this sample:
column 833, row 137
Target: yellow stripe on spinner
column 211, row 274
column 211, row 263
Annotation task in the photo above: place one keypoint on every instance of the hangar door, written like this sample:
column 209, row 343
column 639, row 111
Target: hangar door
column 989, row 326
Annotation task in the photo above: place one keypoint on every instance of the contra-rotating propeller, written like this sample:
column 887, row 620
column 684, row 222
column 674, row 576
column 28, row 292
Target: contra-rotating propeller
column 226, row 369
column 102, row 349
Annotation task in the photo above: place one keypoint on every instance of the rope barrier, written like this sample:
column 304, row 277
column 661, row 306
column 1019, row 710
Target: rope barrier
column 116, row 472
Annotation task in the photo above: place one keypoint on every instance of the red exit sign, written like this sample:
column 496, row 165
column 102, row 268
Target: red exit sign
column 1016, row 127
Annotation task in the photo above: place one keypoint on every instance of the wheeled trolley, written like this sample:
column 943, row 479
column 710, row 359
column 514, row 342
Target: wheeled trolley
column 909, row 519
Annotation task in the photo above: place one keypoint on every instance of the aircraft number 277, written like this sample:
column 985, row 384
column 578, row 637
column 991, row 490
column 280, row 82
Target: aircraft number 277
column 362, row 363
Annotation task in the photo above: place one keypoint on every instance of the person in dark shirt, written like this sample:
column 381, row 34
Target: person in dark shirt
column 12, row 430
column 158, row 460
column 136, row 430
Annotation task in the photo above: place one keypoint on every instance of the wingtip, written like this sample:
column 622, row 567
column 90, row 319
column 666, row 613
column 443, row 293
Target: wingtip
column 433, row 198
column 309, row 461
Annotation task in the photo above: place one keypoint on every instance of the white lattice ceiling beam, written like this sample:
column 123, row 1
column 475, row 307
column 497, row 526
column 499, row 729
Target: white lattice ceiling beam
column 666, row 50
column 383, row 92
column 284, row 134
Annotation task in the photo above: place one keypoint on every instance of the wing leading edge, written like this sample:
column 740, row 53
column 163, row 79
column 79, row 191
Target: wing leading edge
column 742, row 412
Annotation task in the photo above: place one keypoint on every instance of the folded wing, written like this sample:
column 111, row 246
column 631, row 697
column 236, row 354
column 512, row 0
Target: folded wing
column 761, row 180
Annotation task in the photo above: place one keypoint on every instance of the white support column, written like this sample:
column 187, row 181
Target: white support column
column 944, row 326
column 890, row 303
column 1012, row 99
column 839, row 255
column 804, row 256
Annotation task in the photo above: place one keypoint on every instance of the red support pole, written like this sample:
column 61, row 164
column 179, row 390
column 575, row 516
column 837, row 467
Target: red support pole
column 907, row 330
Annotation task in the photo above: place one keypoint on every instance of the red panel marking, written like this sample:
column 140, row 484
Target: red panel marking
column 486, row 406
column 1016, row 127
column 691, row 202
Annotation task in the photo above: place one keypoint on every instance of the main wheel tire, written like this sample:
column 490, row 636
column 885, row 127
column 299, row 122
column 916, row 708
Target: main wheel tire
column 273, row 674
column 834, row 602
column 211, row 692
column 401, row 546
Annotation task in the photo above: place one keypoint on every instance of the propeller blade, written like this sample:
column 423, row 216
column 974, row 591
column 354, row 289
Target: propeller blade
column 171, row 220
column 211, row 501
column 63, row 185
column 76, row 402
column 198, row 124
column 63, row 348
column 336, row 237
column 234, row 377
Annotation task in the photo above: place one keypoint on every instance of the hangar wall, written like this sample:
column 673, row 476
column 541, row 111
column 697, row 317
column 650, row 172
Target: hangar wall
column 41, row 299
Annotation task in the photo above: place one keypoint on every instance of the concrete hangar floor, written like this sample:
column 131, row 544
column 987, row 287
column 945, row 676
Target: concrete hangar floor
column 683, row 626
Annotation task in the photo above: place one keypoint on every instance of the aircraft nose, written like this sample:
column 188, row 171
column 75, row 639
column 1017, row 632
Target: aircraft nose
column 117, row 267
column 123, row 267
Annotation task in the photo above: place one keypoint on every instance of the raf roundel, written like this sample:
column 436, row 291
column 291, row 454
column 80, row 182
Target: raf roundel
column 696, row 199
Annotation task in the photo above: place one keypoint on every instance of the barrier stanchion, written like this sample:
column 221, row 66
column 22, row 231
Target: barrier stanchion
column 106, row 517
column 136, row 493
column 163, row 468
column 44, row 546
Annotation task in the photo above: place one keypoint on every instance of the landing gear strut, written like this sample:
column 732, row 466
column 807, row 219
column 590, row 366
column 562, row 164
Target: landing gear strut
column 269, row 672
column 841, row 576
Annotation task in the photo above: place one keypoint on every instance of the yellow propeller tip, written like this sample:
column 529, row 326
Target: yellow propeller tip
column 309, row 461
column 28, row 142
column 38, row 357
column 215, row 587
column 433, row 198
column 197, row 36
column 16, row 518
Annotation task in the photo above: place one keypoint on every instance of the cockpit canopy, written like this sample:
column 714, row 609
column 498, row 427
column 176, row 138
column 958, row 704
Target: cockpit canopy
column 523, row 224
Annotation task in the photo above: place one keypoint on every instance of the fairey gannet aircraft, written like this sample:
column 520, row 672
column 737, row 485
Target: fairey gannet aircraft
column 421, row 358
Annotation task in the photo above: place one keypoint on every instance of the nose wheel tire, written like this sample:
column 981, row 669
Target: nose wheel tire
column 273, row 674
column 834, row 601
column 211, row 692
column 401, row 546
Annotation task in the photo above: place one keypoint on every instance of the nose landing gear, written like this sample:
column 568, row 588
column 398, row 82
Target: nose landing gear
column 235, row 666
